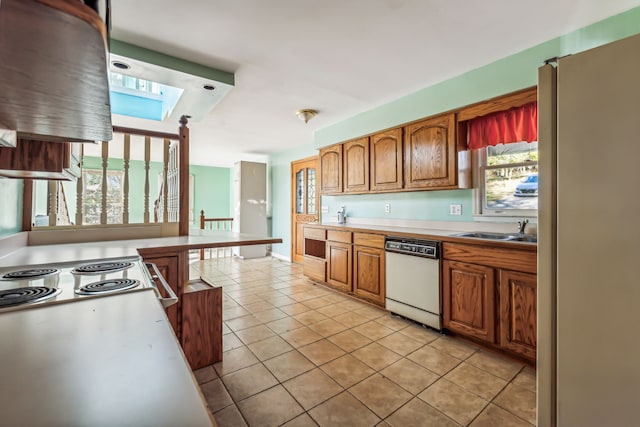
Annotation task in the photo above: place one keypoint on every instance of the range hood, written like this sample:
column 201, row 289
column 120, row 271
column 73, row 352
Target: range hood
column 54, row 83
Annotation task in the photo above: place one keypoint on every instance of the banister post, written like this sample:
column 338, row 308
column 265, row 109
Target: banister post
column 183, row 217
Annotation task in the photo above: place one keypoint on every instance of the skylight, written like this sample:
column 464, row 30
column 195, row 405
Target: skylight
column 136, row 97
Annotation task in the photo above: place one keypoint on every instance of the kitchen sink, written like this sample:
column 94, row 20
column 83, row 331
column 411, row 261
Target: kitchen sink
column 486, row 235
column 499, row 236
column 526, row 238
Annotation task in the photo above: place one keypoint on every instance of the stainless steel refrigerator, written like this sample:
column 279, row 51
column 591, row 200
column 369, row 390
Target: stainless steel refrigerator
column 589, row 238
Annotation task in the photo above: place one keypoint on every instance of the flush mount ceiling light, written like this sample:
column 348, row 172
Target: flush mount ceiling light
column 120, row 65
column 306, row 114
column 208, row 87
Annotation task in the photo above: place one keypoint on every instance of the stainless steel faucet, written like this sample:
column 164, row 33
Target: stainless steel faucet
column 522, row 224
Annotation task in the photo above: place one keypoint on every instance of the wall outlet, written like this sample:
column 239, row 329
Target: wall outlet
column 324, row 209
column 455, row 209
column 387, row 207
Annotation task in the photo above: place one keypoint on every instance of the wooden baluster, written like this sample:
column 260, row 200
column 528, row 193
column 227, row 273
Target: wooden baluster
column 147, row 158
column 52, row 207
column 127, row 155
column 165, row 192
column 80, row 191
column 105, row 183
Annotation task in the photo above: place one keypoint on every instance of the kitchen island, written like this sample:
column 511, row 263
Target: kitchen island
column 109, row 361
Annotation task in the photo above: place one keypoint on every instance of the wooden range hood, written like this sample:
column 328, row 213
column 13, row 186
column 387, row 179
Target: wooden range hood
column 53, row 73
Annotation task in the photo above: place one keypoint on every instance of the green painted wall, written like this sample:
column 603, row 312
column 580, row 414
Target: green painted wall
column 211, row 187
column 419, row 205
column 11, row 212
column 212, row 192
column 506, row 75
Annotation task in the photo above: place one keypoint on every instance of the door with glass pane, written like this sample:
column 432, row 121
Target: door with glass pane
column 305, row 202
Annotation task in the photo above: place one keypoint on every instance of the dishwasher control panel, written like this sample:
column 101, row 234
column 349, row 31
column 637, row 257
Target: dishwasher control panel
column 424, row 248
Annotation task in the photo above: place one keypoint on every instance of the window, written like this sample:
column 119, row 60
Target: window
column 508, row 179
column 92, row 207
column 505, row 145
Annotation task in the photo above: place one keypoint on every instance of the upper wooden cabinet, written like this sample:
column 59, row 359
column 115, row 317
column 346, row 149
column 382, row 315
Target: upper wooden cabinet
column 386, row 160
column 430, row 153
column 54, row 84
column 356, row 165
column 331, row 169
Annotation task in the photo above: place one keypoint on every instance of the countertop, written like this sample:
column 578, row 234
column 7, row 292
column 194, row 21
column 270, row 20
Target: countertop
column 425, row 233
column 93, row 251
column 82, row 364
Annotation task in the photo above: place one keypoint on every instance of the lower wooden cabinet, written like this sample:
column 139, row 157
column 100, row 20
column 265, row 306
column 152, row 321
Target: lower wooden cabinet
column 352, row 262
column 490, row 301
column 369, row 273
column 518, row 312
column 469, row 299
column 201, row 337
column 339, row 265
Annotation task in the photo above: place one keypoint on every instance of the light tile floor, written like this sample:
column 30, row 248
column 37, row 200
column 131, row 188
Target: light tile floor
column 301, row 354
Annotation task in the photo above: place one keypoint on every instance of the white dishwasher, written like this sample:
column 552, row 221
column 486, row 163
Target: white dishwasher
column 413, row 280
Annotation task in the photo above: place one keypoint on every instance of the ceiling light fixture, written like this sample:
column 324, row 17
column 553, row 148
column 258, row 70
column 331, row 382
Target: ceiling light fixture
column 120, row 65
column 306, row 114
column 208, row 87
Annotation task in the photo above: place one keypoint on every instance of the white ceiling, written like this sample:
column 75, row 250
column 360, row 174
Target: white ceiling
column 341, row 57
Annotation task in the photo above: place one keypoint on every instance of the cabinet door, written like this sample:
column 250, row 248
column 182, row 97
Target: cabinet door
column 469, row 299
column 430, row 153
column 386, row 160
column 369, row 274
column 168, row 267
column 518, row 312
column 356, row 165
column 331, row 169
column 339, row 265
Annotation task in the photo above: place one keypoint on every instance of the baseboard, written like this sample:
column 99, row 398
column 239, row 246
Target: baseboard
column 282, row 257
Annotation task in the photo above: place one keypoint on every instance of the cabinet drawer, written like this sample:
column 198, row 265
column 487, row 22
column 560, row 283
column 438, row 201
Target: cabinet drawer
column 367, row 239
column 339, row 236
column 314, row 269
column 315, row 233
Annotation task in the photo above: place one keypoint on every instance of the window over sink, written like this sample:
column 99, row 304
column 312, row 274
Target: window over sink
column 508, row 179
column 505, row 147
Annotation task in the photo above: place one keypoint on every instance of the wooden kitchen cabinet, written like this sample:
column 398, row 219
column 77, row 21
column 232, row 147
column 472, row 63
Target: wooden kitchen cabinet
column 339, row 262
column 41, row 160
column 314, row 264
column 430, row 153
column 369, row 267
column 201, row 338
column 356, row 165
column 489, row 294
column 469, row 299
column 386, row 160
column 331, row 169
column 518, row 312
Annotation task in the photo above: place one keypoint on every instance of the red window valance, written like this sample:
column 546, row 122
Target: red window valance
column 513, row 125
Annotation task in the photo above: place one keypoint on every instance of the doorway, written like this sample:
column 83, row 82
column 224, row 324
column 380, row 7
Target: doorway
column 305, row 202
